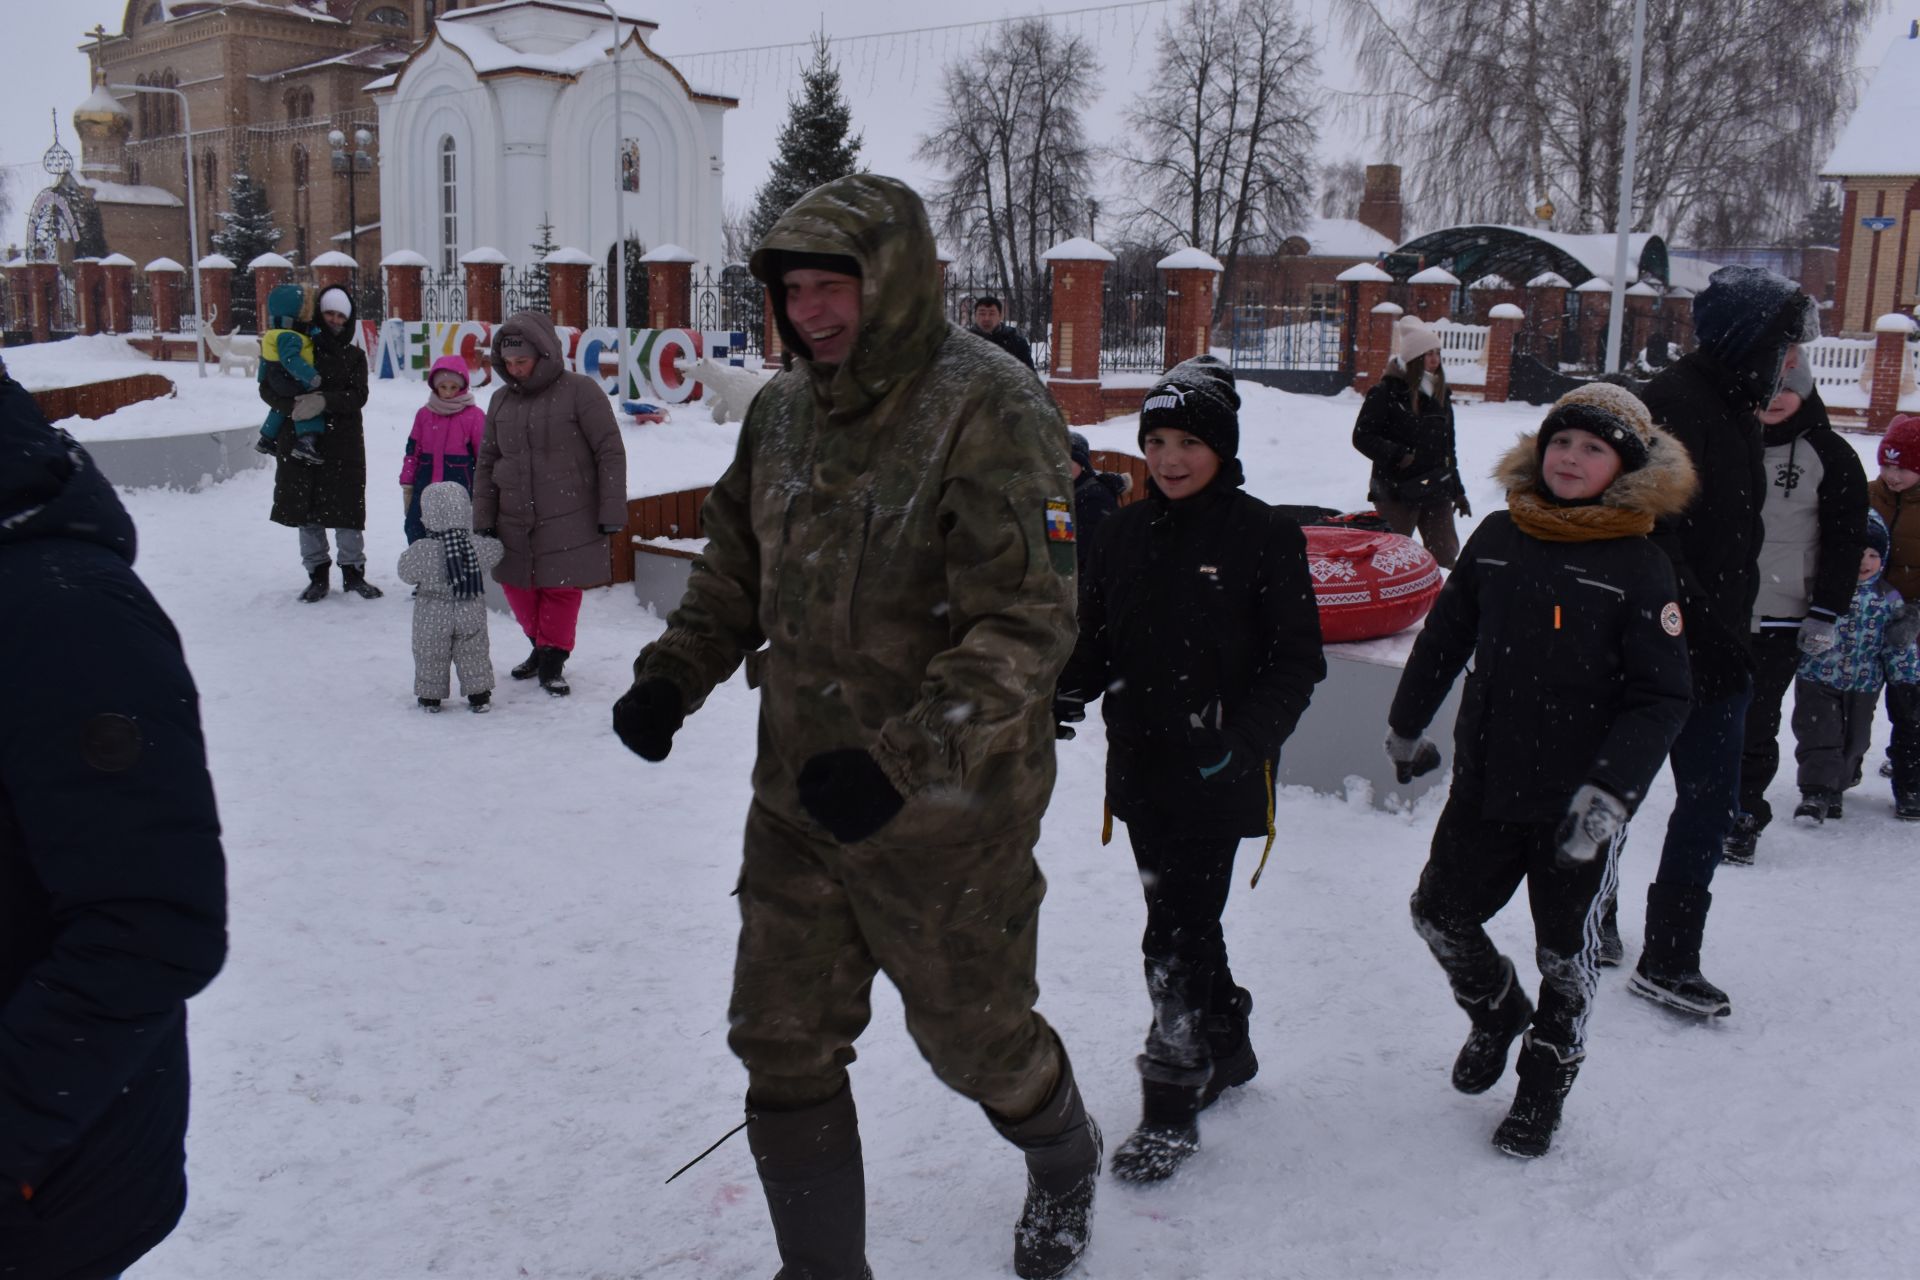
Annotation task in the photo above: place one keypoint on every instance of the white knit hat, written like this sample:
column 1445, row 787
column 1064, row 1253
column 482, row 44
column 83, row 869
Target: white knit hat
column 1412, row 339
column 335, row 299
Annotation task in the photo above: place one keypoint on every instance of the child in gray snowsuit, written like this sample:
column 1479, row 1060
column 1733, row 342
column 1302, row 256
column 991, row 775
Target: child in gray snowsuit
column 450, row 610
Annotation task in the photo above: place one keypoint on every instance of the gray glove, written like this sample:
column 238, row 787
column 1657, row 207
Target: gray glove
column 1905, row 629
column 1816, row 636
column 1411, row 757
column 311, row 405
column 1593, row 819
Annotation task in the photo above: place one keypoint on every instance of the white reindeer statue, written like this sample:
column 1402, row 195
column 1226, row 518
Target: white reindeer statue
column 235, row 350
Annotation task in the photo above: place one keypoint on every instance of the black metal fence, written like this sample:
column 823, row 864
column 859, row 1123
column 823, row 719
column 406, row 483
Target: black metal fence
column 1133, row 319
column 733, row 302
column 443, row 296
column 525, row 289
column 1028, row 308
column 369, row 295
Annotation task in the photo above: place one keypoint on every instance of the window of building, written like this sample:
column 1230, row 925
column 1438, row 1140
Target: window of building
column 388, row 16
column 449, row 206
column 133, row 173
column 155, row 13
column 1323, row 297
column 299, row 103
column 210, row 173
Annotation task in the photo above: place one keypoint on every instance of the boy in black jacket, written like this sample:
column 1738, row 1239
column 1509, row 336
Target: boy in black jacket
column 1198, row 624
column 1579, row 684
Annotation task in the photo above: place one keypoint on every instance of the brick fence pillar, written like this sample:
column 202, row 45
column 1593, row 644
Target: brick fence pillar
column 118, row 272
column 18, row 304
column 270, row 271
column 946, row 260
column 403, row 271
column 43, row 282
column 1596, row 302
column 216, row 291
column 1193, row 278
column 1073, row 348
column 1381, row 321
column 163, row 286
column 1433, row 293
column 669, row 287
column 1638, row 322
column 1892, row 368
column 334, row 270
column 1547, row 315
column 484, row 268
column 1367, row 285
column 1505, row 320
column 89, row 295
column 567, row 287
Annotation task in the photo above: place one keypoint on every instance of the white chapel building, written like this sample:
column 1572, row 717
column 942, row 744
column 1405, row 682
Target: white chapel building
column 504, row 119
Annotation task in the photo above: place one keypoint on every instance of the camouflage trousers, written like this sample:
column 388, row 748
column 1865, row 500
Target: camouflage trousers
column 955, row 928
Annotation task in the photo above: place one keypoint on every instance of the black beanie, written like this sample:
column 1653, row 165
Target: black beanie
column 1079, row 450
column 1196, row 396
column 1878, row 536
column 792, row 261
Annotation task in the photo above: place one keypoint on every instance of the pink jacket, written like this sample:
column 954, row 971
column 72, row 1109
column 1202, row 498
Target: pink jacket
column 436, row 438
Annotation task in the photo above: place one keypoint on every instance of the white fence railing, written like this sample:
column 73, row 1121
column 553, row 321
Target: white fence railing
column 1463, row 351
column 1843, row 371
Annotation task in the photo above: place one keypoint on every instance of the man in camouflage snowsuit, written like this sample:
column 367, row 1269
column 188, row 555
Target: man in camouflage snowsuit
column 896, row 531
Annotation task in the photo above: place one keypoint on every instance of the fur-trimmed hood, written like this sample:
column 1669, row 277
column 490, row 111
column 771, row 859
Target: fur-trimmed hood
column 1660, row 489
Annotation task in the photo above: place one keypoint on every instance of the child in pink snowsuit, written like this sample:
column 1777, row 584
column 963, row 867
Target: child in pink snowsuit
column 445, row 442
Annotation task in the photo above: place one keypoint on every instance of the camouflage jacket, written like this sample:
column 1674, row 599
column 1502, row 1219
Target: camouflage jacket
column 896, row 531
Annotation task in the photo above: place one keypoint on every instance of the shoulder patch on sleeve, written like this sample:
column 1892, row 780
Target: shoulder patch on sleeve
column 1670, row 618
column 1059, row 520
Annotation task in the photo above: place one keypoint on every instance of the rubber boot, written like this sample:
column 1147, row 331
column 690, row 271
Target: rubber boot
column 303, row 451
column 1230, row 1043
column 530, row 668
column 353, row 581
column 816, row 1187
column 1169, row 1132
column 1545, row 1077
column 1498, row 1019
column 1063, row 1147
column 1669, row 968
column 552, row 678
column 317, row 582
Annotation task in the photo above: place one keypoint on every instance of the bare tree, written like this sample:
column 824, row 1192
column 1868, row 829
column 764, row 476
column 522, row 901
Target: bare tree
column 1221, row 148
column 1500, row 108
column 736, row 232
column 1011, row 141
column 1343, row 184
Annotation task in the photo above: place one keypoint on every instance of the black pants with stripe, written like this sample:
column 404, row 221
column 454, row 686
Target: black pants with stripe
column 1473, row 870
column 1186, row 880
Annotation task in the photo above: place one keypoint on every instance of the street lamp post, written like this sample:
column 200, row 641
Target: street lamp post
column 618, row 287
column 193, row 218
column 1616, row 313
column 353, row 164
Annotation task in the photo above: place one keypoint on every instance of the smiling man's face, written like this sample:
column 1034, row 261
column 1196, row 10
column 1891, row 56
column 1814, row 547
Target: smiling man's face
column 824, row 306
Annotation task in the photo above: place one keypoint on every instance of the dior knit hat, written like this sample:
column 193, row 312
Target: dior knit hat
column 1412, row 339
column 1900, row 447
column 1797, row 375
column 1613, row 413
column 1196, row 396
column 512, row 344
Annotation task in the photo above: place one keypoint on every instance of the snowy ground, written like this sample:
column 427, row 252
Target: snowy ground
column 475, row 1008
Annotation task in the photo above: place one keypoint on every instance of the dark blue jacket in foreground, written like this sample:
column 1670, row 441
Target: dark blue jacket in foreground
column 112, row 881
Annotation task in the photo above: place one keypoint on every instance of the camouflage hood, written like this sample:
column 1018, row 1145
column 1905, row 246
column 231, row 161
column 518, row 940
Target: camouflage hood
column 882, row 225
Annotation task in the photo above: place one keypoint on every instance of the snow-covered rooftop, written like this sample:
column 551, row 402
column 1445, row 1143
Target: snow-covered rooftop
column 1880, row 138
column 1342, row 238
column 122, row 193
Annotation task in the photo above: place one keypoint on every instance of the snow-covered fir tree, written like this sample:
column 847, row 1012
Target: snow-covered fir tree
column 538, row 295
column 814, row 145
column 246, row 230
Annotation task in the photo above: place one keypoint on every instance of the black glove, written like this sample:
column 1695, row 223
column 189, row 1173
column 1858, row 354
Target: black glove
column 1460, row 505
column 1412, row 757
column 1214, row 753
column 846, row 792
column 1068, row 709
column 488, row 532
column 612, row 528
column 648, row 715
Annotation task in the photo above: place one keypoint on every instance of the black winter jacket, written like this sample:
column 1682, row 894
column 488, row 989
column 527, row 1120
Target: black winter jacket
column 1575, row 678
column 1096, row 495
column 1188, row 606
column 1715, row 544
column 112, row 882
column 1008, row 339
column 332, row 495
column 1399, row 424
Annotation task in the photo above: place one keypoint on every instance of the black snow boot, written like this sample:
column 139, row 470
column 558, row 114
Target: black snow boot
column 1741, row 841
column 353, row 578
column 1669, row 968
column 1230, row 1044
column 303, row 451
column 1063, row 1148
column 1814, row 807
column 317, row 582
column 480, row 702
column 1906, row 805
column 1545, row 1078
column 816, row 1187
column 530, row 668
column 429, row 704
column 1498, row 1019
column 1836, row 806
column 552, row 678
column 271, row 448
column 1169, row 1132
column 1612, row 950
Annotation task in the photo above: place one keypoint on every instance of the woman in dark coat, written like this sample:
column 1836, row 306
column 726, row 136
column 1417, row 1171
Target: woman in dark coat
column 1406, row 428
column 332, row 495
column 551, row 485
column 1199, row 627
column 1579, row 686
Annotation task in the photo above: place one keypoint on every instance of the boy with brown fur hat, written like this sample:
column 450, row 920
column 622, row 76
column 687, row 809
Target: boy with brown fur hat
column 1579, row 685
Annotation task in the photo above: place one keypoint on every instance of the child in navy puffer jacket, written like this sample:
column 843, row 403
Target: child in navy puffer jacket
column 1838, row 690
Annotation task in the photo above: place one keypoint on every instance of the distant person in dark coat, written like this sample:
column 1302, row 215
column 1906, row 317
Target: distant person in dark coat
column 1199, row 630
column 332, row 494
column 1708, row 400
column 988, row 324
column 1096, row 495
column 112, row 881
column 1406, row 428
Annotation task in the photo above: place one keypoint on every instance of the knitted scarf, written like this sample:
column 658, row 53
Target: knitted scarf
column 1551, row 522
column 448, row 408
column 463, row 563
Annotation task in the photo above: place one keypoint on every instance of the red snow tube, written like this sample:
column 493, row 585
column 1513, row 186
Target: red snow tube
column 1368, row 584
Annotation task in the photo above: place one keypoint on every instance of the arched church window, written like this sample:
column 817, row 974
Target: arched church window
column 388, row 16
column 155, row 13
column 300, row 168
column 142, row 113
column 133, row 173
column 449, row 205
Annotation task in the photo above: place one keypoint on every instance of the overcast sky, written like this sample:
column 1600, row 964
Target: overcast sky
column 892, row 84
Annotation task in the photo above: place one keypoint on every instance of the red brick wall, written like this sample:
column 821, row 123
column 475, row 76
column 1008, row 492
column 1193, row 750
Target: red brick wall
column 98, row 399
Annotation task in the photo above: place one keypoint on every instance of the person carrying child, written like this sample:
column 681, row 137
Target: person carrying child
column 1199, row 627
column 450, row 609
column 1579, row 686
column 1894, row 496
column 286, row 371
column 445, row 442
column 1838, row 689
